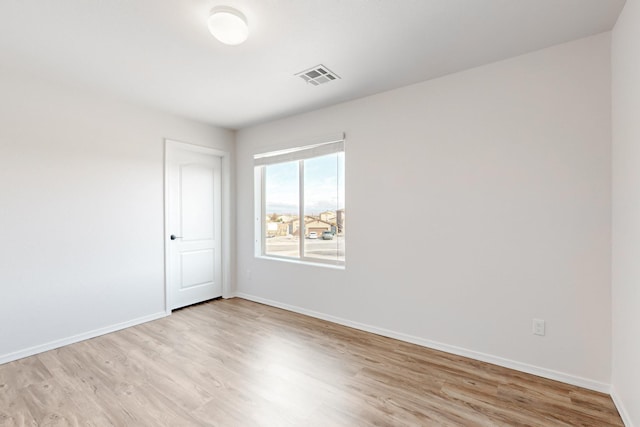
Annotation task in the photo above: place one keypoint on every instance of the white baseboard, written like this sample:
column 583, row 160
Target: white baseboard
column 10, row 357
column 496, row 360
column 622, row 410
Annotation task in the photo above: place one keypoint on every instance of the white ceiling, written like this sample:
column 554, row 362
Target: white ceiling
column 159, row 53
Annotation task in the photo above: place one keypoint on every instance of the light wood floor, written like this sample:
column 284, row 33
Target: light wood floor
column 238, row 363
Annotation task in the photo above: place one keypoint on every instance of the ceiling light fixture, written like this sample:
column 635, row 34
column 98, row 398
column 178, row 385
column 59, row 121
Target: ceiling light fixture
column 228, row 25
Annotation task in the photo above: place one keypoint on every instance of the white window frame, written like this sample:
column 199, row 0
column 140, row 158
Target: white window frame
column 320, row 147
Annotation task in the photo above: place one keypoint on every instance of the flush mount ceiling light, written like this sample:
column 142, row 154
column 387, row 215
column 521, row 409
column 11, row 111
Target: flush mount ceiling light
column 228, row 25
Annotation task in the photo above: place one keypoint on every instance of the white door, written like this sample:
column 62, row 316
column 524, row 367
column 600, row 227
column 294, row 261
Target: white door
column 194, row 227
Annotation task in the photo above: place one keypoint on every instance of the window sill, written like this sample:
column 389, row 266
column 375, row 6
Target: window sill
column 333, row 266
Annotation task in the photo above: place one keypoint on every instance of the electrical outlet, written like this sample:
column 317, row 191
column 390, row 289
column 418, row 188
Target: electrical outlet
column 538, row 327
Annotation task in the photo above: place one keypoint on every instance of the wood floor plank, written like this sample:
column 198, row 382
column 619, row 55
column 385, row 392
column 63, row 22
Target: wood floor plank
column 239, row 363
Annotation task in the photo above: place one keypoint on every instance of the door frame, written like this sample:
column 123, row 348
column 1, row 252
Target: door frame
column 225, row 160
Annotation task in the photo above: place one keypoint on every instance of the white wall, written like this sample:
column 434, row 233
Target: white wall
column 476, row 202
column 81, row 211
column 626, row 212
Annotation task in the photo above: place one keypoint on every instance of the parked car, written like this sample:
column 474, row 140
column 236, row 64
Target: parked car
column 312, row 235
column 327, row 235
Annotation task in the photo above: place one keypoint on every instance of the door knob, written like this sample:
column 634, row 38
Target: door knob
column 174, row 237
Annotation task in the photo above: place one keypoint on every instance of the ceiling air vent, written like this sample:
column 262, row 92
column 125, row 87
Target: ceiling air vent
column 318, row 75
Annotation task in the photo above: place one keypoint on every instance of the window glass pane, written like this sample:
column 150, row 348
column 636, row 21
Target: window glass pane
column 282, row 201
column 324, row 207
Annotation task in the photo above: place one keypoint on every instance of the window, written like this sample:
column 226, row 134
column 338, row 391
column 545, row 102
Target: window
column 300, row 203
